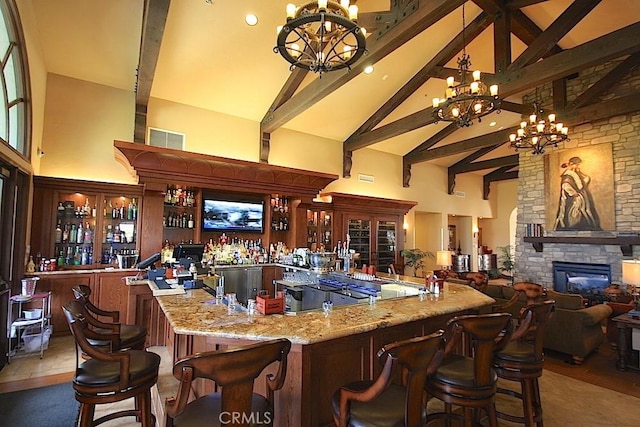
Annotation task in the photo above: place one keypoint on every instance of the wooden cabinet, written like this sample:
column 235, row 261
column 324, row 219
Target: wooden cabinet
column 143, row 309
column 315, row 226
column 60, row 287
column 83, row 224
column 269, row 274
column 374, row 226
column 108, row 291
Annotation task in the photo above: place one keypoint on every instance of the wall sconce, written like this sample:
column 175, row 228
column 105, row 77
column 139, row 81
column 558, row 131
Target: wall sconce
column 405, row 226
column 40, row 152
column 475, row 231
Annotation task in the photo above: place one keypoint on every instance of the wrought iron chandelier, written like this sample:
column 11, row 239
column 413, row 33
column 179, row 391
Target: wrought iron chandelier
column 321, row 36
column 464, row 100
column 538, row 133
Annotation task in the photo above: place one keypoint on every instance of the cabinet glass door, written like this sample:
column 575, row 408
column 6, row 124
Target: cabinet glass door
column 360, row 235
column 386, row 244
column 119, row 233
column 74, row 232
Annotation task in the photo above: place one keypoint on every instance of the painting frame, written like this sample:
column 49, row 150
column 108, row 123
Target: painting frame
column 452, row 237
column 579, row 189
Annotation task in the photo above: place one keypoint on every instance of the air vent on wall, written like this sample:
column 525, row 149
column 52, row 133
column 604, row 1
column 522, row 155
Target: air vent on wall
column 461, row 194
column 166, row 139
column 366, row 178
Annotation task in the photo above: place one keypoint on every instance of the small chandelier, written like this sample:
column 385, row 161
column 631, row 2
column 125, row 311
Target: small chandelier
column 465, row 101
column 321, row 36
column 538, row 133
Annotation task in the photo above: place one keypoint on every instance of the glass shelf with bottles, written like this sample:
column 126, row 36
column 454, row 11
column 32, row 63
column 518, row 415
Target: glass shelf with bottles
column 119, row 228
column 179, row 208
column 279, row 206
column 75, row 231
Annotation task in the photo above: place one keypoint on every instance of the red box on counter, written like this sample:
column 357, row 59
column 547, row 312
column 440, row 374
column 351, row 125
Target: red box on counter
column 268, row 305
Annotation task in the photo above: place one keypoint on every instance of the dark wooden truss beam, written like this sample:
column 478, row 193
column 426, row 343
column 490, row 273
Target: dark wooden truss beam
column 153, row 21
column 508, row 161
column 608, row 81
column 558, row 29
column 501, row 174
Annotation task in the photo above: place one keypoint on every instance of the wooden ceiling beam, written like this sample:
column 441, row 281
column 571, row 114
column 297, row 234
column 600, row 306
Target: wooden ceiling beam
column 554, row 33
column 511, row 161
column 475, row 28
column 153, row 21
column 442, row 134
column 501, row 174
column 425, row 16
column 519, row 4
column 610, row 46
column 608, row 81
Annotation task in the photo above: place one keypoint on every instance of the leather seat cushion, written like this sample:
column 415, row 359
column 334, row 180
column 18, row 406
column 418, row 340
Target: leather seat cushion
column 387, row 410
column 517, row 351
column 205, row 411
column 99, row 373
column 458, row 371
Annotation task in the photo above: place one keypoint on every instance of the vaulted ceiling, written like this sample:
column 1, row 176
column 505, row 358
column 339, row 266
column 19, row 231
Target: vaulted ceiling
column 201, row 53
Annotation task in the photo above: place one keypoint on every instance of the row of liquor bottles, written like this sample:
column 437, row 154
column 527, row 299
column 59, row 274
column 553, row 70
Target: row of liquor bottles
column 279, row 224
column 110, row 210
column 178, row 220
column 279, row 203
column 179, row 197
column 79, row 234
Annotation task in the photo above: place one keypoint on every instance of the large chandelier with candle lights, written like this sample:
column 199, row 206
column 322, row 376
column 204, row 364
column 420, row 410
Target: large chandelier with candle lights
column 321, row 36
column 538, row 133
column 466, row 100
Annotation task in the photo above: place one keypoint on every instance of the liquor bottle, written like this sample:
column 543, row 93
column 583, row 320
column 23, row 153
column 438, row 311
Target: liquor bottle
column 88, row 234
column 114, row 211
column 116, row 234
column 86, row 209
column 167, row 197
column 31, row 266
column 121, row 212
column 61, row 260
column 73, row 235
column 60, row 208
column 94, row 211
column 109, row 234
column 104, row 208
column 286, row 205
column 84, row 257
column 190, row 222
column 130, row 211
column 77, row 256
column 58, row 232
column 80, row 233
column 134, row 210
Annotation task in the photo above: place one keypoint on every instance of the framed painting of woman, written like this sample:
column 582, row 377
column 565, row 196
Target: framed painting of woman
column 579, row 189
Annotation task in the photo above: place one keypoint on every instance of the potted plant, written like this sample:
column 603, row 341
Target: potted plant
column 506, row 264
column 414, row 258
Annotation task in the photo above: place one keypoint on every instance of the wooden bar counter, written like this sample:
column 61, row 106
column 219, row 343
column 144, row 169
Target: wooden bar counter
column 327, row 352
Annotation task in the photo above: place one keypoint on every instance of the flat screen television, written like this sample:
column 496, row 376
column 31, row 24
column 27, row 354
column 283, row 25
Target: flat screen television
column 233, row 215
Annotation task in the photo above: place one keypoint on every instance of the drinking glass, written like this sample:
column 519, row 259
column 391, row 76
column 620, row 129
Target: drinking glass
column 251, row 306
column 327, row 306
column 231, row 302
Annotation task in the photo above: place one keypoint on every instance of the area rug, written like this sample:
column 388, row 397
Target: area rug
column 52, row 406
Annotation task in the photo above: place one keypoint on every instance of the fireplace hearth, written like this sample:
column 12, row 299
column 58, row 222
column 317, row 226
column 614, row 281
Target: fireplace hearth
column 588, row 280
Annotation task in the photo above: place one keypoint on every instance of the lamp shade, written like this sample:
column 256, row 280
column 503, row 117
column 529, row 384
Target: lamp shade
column 443, row 258
column 631, row 272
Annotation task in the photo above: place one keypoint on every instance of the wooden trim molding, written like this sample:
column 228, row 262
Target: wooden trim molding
column 163, row 165
column 373, row 205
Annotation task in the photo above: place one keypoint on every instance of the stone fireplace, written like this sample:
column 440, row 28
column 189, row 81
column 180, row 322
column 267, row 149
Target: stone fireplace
column 536, row 262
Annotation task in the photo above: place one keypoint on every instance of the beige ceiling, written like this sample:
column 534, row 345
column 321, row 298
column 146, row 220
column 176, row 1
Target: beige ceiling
column 211, row 59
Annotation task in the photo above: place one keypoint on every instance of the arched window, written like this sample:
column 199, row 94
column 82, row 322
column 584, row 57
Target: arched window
column 14, row 86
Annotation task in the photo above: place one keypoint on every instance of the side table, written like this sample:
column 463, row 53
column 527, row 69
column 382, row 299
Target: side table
column 624, row 322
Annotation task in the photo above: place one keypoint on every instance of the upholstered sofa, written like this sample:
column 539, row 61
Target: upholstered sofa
column 574, row 329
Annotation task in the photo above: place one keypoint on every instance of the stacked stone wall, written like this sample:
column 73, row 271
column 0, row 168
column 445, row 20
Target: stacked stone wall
column 623, row 133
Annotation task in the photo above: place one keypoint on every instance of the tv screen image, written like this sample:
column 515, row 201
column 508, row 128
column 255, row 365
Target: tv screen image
column 227, row 215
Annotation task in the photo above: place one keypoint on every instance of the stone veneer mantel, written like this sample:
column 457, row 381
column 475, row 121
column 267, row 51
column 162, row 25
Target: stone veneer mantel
column 193, row 313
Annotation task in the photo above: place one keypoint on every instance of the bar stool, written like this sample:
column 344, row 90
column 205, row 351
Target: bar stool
column 522, row 360
column 109, row 377
column 527, row 292
column 382, row 403
column 130, row 336
column 234, row 370
column 469, row 381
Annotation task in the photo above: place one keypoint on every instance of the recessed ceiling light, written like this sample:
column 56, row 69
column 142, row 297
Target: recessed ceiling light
column 368, row 69
column 492, row 124
column 251, row 19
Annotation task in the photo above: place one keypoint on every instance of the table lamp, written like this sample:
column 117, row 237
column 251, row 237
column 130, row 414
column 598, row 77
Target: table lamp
column 443, row 258
column 631, row 278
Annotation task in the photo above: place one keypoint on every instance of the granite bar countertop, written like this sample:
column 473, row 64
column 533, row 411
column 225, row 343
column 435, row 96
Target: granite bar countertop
column 196, row 313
